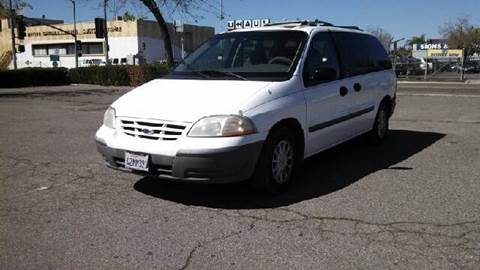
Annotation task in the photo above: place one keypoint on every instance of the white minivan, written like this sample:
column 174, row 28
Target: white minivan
column 252, row 104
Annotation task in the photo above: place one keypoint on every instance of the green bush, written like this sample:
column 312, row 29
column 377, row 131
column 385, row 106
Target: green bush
column 102, row 75
column 117, row 75
column 34, row 77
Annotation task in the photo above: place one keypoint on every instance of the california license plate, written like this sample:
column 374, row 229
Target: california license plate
column 136, row 161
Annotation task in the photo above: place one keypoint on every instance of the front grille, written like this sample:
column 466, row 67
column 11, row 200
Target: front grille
column 153, row 129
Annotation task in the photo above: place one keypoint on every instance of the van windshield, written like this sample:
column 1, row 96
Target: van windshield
column 256, row 55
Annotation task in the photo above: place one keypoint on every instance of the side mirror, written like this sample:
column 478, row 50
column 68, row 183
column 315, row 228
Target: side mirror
column 319, row 75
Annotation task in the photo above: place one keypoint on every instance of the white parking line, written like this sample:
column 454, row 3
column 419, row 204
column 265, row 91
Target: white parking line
column 437, row 95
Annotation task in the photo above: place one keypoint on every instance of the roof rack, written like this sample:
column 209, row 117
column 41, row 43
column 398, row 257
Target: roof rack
column 304, row 23
column 349, row 27
column 313, row 23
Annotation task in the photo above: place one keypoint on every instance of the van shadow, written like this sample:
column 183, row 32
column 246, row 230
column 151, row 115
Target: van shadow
column 321, row 174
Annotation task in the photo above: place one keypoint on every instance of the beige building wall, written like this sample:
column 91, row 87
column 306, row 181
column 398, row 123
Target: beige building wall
column 5, row 44
column 85, row 30
column 193, row 35
column 5, row 37
column 139, row 38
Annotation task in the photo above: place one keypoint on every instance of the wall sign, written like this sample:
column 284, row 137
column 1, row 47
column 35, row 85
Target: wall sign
column 84, row 31
column 430, row 46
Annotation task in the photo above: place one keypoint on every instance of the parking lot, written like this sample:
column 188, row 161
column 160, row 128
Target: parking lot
column 412, row 203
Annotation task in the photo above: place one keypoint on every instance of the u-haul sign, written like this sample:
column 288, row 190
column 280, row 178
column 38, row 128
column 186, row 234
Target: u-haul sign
column 243, row 24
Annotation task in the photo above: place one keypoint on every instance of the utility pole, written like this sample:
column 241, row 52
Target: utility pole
column 75, row 33
column 222, row 15
column 107, row 47
column 462, row 70
column 12, row 27
column 395, row 49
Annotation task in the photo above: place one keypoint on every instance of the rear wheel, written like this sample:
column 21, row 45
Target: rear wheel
column 278, row 162
column 381, row 126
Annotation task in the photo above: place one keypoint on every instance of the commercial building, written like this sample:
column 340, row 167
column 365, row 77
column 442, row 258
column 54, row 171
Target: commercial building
column 6, row 55
column 130, row 42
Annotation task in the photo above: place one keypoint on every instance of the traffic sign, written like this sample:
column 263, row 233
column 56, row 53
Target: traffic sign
column 54, row 57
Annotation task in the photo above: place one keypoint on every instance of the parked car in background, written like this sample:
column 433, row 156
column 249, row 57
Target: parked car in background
column 469, row 67
column 93, row 62
column 426, row 64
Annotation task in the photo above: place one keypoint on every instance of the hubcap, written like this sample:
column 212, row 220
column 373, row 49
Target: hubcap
column 282, row 161
column 382, row 123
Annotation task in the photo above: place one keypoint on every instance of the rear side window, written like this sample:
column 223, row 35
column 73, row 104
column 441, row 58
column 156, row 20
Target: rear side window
column 361, row 54
column 377, row 52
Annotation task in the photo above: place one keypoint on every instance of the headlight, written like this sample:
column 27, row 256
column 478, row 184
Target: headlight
column 109, row 118
column 222, row 126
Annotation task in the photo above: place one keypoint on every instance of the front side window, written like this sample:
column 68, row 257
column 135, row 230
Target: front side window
column 321, row 64
column 256, row 55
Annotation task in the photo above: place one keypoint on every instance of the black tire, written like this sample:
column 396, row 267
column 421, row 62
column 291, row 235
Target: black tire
column 379, row 132
column 265, row 177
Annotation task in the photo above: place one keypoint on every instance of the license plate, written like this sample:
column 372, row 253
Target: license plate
column 136, row 161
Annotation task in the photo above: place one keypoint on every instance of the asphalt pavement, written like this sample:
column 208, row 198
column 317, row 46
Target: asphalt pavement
column 412, row 203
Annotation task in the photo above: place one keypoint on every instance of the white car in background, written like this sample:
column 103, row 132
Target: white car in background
column 252, row 104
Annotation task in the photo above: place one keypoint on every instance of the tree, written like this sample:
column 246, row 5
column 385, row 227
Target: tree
column 18, row 5
column 160, row 8
column 382, row 35
column 417, row 40
column 127, row 16
column 461, row 34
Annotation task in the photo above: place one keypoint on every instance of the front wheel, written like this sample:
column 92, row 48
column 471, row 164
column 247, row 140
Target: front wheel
column 278, row 162
column 381, row 126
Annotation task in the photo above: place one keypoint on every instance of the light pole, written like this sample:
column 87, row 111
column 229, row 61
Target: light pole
column 222, row 15
column 395, row 42
column 105, row 30
column 75, row 33
column 12, row 27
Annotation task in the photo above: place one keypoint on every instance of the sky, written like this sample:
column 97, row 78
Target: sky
column 401, row 18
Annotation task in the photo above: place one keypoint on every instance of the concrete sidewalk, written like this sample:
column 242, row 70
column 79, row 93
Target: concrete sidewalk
column 440, row 83
column 79, row 88
column 42, row 90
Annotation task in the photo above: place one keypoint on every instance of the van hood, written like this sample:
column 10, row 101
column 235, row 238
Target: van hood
column 186, row 100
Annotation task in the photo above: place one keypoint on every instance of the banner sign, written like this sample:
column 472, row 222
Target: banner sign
column 430, row 46
column 243, row 24
column 445, row 53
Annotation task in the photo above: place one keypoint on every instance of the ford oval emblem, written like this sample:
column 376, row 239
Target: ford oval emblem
column 147, row 131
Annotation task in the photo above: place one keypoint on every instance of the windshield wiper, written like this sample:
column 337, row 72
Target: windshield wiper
column 228, row 73
column 196, row 72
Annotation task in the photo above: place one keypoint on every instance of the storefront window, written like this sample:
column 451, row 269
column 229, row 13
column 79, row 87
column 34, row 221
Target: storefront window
column 66, row 49
column 39, row 50
column 93, row 48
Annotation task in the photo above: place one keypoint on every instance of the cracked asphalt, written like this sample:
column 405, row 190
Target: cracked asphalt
column 412, row 203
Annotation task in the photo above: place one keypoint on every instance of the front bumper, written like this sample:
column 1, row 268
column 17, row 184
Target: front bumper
column 224, row 165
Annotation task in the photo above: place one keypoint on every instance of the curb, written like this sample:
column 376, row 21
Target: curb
column 439, row 83
column 64, row 89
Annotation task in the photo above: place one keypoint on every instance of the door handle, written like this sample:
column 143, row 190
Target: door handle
column 357, row 87
column 343, row 91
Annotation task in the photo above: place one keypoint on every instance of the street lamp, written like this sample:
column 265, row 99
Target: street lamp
column 12, row 28
column 395, row 42
column 105, row 30
column 75, row 33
